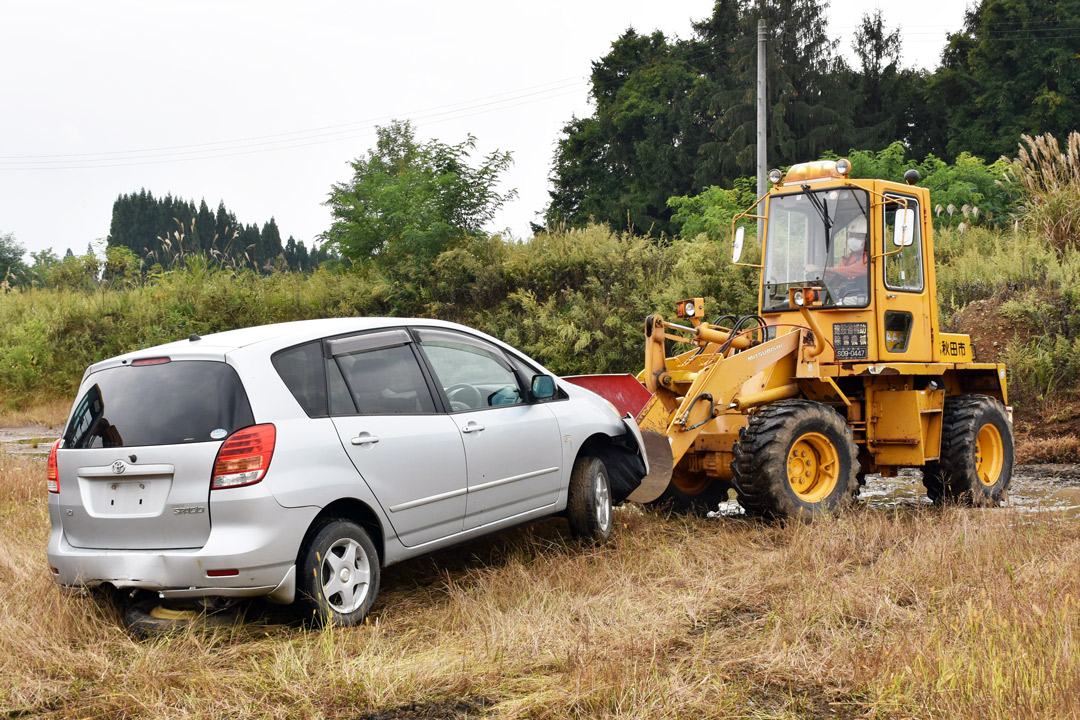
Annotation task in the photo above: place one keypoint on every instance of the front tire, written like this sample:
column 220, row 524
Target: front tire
column 588, row 505
column 338, row 574
column 795, row 459
column 976, row 461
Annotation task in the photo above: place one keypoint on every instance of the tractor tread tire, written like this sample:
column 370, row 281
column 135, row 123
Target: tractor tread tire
column 952, row 478
column 760, row 464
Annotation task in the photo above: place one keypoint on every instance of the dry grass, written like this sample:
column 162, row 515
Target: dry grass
column 1060, row 449
column 919, row 613
column 50, row 412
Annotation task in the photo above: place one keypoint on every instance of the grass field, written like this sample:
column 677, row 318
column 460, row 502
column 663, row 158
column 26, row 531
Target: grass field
column 913, row 613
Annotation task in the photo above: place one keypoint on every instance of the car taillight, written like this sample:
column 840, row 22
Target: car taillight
column 52, row 472
column 244, row 458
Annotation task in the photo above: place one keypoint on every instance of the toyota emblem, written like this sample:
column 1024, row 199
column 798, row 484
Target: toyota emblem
column 119, row 467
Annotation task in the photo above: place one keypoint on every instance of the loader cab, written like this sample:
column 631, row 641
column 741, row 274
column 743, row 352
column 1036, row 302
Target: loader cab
column 864, row 247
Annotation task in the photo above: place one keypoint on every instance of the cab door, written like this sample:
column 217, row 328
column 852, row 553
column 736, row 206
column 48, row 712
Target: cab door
column 513, row 447
column 903, row 317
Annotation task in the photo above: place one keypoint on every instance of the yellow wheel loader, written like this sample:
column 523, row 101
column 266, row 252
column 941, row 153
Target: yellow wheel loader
column 843, row 370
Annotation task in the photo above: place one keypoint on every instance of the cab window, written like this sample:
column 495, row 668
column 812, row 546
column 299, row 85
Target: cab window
column 904, row 266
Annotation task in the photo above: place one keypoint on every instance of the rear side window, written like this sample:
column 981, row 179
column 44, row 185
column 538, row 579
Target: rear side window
column 301, row 369
column 169, row 404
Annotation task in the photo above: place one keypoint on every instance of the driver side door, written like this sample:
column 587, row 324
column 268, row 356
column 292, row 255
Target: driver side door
column 513, row 447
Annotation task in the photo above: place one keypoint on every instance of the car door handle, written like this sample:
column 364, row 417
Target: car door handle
column 365, row 439
column 472, row 427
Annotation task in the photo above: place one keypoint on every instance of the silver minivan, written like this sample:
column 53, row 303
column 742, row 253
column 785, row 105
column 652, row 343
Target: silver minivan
column 294, row 461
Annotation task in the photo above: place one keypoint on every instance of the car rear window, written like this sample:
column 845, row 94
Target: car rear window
column 167, row 404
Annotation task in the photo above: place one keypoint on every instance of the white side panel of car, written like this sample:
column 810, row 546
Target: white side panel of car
column 415, row 466
column 515, row 461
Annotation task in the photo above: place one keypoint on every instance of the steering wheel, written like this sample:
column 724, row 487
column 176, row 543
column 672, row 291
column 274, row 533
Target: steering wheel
column 463, row 396
column 840, row 286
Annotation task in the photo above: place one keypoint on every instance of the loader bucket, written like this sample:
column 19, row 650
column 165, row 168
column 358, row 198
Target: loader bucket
column 630, row 396
column 622, row 391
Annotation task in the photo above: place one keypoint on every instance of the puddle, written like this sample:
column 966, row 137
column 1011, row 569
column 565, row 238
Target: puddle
column 33, row 440
column 1035, row 488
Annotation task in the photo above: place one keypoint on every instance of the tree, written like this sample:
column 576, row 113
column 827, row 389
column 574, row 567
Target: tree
column 1012, row 70
column 808, row 111
column 408, row 199
column 270, row 245
column 641, row 147
column 12, row 266
column 890, row 104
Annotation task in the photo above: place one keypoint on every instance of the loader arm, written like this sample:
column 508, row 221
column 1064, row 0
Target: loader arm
column 712, row 391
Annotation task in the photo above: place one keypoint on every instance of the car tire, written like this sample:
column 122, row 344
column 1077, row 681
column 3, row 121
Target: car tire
column 338, row 575
column 588, row 506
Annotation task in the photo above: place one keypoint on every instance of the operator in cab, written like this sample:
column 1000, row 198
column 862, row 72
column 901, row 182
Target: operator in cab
column 853, row 264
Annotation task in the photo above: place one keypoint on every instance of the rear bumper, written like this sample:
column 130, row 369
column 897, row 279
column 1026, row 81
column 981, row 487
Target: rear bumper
column 255, row 536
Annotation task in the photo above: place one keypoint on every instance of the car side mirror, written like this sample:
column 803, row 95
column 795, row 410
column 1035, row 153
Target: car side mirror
column 904, row 229
column 543, row 387
column 737, row 243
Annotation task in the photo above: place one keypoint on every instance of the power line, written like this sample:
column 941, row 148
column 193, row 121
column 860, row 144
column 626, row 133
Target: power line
column 219, row 155
column 562, row 81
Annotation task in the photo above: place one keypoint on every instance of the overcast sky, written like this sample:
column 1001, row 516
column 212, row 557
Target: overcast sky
column 262, row 103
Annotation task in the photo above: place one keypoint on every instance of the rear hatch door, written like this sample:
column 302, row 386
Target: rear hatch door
column 137, row 455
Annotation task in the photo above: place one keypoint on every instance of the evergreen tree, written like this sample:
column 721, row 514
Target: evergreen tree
column 270, row 241
column 303, row 262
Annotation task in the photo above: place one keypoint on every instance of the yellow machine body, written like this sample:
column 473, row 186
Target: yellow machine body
column 882, row 361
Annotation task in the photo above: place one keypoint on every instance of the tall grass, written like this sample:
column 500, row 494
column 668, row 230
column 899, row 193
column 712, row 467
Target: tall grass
column 1049, row 180
column 574, row 299
column 913, row 613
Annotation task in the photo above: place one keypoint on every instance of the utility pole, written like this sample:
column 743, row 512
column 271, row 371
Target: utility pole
column 762, row 160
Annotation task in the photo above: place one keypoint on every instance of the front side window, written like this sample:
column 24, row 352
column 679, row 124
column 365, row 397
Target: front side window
column 818, row 239
column 169, row 403
column 903, row 265
column 472, row 373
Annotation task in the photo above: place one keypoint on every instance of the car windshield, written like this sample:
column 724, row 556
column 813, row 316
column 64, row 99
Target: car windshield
column 818, row 239
column 164, row 404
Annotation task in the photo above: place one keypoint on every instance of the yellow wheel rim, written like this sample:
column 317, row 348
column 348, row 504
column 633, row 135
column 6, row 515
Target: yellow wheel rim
column 164, row 613
column 813, row 467
column 691, row 484
column 989, row 455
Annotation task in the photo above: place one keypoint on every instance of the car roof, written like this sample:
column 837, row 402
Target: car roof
column 275, row 336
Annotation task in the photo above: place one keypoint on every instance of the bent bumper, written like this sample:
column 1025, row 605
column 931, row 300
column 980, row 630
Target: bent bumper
column 261, row 546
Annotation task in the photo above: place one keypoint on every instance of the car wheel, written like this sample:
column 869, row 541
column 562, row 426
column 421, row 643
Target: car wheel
column 588, row 507
column 338, row 574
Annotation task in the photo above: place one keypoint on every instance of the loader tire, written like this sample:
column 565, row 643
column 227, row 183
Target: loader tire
column 976, row 461
column 692, row 494
column 795, row 459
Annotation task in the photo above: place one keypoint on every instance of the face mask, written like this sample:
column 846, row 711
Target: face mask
column 855, row 244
